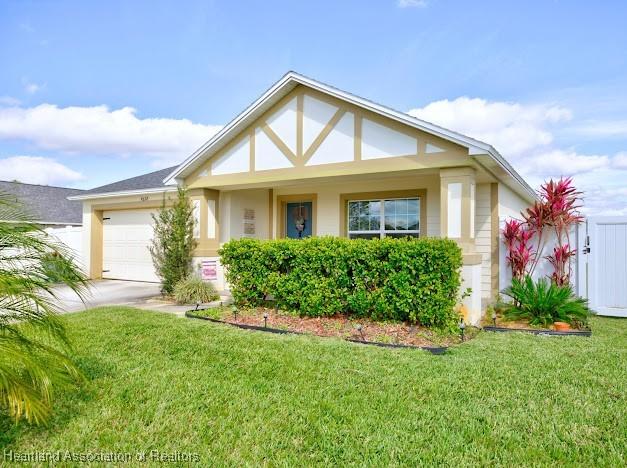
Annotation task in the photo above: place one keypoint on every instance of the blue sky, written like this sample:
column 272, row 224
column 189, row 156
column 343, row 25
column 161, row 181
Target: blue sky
column 92, row 92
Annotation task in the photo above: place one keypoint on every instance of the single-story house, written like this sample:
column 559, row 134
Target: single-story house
column 309, row 159
column 50, row 207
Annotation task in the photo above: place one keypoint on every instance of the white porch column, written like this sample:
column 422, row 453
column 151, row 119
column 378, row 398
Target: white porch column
column 457, row 222
column 457, row 206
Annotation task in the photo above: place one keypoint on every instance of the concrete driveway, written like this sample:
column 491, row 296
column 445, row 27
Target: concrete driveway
column 115, row 292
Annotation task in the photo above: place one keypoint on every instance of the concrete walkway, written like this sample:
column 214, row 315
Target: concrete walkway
column 115, row 292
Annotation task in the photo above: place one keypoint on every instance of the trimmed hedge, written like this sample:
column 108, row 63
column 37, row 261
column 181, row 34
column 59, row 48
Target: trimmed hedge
column 413, row 280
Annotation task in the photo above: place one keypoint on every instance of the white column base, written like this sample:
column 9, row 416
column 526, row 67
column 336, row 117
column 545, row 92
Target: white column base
column 471, row 278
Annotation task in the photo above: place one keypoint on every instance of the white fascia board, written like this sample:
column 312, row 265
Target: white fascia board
column 501, row 161
column 123, row 193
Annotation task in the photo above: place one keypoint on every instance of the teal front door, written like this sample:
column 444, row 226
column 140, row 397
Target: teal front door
column 298, row 220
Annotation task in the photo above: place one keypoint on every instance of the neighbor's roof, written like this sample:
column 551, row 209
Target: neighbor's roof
column 153, row 181
column 484, row 153
column 47, row 204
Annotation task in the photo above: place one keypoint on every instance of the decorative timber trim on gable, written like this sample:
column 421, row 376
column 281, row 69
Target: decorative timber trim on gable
column 309, row 134
column 293, row 148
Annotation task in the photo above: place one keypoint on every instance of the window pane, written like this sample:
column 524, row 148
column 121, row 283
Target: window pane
column 412, row 222
column 364, row 224
column 353, row 223
column 374, row 235
column 363, row 208
column 401, row 206
column 353, row 209
column 401, row 222
column 412, row 206
column 375, row 207
column 374, row 222
column 389, row 207
column 390, row 224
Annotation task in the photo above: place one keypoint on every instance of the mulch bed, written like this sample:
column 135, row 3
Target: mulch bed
column 365, row 331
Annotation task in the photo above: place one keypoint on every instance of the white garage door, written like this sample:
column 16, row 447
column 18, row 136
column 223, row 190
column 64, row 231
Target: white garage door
column 126, row 238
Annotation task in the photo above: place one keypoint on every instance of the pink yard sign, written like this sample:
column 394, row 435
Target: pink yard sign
column 209, row 270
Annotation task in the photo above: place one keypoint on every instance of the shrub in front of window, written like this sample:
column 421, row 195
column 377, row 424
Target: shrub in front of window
column 414, row 280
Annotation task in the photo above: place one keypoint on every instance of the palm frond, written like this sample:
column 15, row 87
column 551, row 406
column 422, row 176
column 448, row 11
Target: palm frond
column 33, row 340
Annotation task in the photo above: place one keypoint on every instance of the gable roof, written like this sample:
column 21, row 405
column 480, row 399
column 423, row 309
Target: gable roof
column 484, row 153
column 47, row 204
column 152, row 181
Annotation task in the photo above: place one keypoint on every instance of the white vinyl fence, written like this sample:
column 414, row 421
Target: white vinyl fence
column 71, row 236
column 599, row 269
column 603, row 264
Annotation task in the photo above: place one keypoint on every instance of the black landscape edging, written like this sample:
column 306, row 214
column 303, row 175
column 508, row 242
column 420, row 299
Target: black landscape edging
column 433, row 350
column 541, row 331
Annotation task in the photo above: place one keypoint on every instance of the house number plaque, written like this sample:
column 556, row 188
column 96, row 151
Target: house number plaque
column 249, row 222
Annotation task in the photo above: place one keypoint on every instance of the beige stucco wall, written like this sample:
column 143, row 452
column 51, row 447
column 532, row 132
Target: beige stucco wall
column 328, row 198
column 233, row 203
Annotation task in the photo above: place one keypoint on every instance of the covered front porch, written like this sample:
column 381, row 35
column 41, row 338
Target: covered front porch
column 451, row 202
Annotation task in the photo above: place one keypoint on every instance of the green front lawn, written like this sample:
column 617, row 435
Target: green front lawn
column 232, row 396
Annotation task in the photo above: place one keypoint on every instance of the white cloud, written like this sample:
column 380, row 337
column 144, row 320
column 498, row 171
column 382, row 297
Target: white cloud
column 510, row 127
column 412, row 3
column 37, row 170
column 9, row 101
column 100, row 130
column 32, row 88
column 601, row 199
column 565, row 163
column 619, row 161
column 597, row 128
column 524, row 134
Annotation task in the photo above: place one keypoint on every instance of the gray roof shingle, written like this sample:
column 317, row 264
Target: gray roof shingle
column 145, row 181
column 47, row 204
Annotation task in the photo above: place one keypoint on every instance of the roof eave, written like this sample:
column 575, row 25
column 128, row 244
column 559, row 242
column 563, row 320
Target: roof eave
column 122, row 193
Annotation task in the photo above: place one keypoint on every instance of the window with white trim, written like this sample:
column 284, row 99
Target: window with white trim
column 394, row 217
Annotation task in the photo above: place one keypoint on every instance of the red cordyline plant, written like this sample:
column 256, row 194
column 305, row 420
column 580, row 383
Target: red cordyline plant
column 519, row 251
column 556, row 212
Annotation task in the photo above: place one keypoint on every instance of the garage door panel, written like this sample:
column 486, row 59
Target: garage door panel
column 127, row 236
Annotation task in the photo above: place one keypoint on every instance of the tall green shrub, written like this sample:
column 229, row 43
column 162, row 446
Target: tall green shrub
column 388, row 279
column 173, row 241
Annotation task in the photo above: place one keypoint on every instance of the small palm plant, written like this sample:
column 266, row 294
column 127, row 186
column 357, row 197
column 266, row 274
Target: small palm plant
column 544, row 302
column 33, row 342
